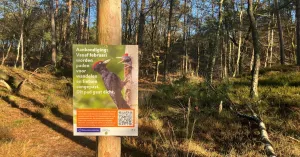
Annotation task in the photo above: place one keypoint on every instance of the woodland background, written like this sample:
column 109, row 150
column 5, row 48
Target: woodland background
column 210, row 72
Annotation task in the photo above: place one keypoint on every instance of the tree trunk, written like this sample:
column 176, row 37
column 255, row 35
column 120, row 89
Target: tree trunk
column 79, row 26
column 22, row 46
column 216, row 47
column 136, row 16
column 198, row 59
column 22, row 34
column 237, row 68
column 256, row 62
column 85, row 30
column 271, row 46
column 184, row 39
column 298, row 31
column 53, row 33
column 141, row 24
column 168, row 41
column 18, row 52
column 4, row 57
column 221, row 58
column 229, row 49
column 109, row 33
column 282, row 56
column 88, row 24
column 67, row 28
column 225, row 57
column 127, row 19
column 269, row 43
column 157, row 63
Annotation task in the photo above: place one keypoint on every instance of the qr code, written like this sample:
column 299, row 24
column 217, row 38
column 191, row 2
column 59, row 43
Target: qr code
column 125, row 118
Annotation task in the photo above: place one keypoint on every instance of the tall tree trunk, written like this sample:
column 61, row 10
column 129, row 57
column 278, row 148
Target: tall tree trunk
column 22, row 46
column 229, row 49
column 216, row 47
column 198, row 59
column 282, row 55
column 88, row 24
column 293, row 45
column 168, row 40
column 18, row 51
column 198, row 44
column 269, row 43
column 61, row 33
column 237, row 68
column 67, row 28
column 57, row 25
column 53, row 33
column 225, row 56
column 271, row 46
column 79, row 26
column 22, row 33
column 184, row 39
column 298, row 31
column 256, row 63
column 127, row 14
column 221, row 58
column 142, row 20
column 136, row 16
column 109, row 33
column 85, row 30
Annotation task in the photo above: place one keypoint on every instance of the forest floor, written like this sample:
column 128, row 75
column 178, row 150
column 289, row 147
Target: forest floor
column 37, row 120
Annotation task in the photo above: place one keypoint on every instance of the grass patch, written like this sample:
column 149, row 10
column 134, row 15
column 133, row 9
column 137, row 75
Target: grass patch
column 18, row 148
column 5, row 134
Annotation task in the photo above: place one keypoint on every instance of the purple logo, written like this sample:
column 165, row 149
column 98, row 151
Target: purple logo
column 88, row 129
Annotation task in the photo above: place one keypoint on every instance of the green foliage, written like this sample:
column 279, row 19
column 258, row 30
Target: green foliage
column 47, row 36
column 201, row 94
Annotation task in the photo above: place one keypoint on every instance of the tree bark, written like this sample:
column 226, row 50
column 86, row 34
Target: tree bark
column 18, row 52
column 237, row 68
column 185, row 36
column 271, row 46
column 168, row 40
column 67, row 27
column 298, row 31
column 256, row 63
column 22, row 34
column 269, row 42
column 198, row 59
column 109, row 33
column 141, row 24
column 79, row 24
column 5, row 57
column 53, row 33
column 136, row 16
column 225, row 56
column 229, row 49
column 85, row 30
column 216, row 47
column 282, row 56
column 127, row 19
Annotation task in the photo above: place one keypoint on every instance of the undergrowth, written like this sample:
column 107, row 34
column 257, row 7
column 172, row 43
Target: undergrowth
column 164, row 116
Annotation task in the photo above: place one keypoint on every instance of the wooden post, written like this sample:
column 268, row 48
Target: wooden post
column 109, row 33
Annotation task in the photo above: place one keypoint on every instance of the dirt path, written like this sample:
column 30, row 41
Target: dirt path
column 37, row 121
column 32, row 134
